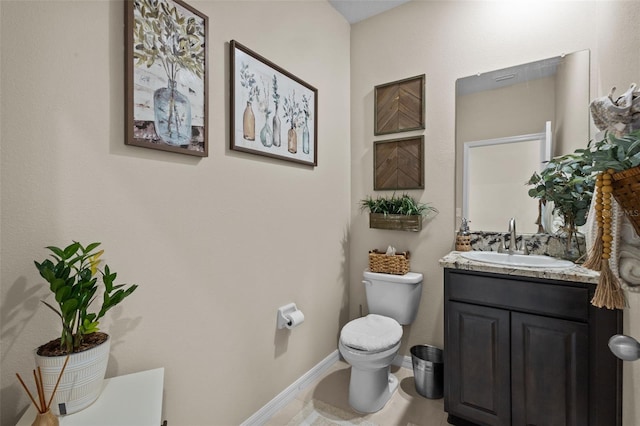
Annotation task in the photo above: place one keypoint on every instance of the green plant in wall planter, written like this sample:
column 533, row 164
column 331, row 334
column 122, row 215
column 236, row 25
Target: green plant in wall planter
column 568, row 183
column 73, row 275
column 401, row 213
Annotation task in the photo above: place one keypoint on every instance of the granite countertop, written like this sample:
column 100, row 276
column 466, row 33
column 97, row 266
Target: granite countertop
column 454, row 260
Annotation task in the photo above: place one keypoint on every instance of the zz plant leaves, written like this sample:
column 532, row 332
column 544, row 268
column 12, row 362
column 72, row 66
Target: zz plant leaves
column 73, row 277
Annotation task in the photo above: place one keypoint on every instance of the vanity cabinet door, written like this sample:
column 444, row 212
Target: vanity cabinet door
column 550, row 371
column 477, row 342
column 523, row 351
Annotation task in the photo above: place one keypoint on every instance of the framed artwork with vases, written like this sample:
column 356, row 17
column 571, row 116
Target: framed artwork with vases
column 166, row 81
column 273, row 112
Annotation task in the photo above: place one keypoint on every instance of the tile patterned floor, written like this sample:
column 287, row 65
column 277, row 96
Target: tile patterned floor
column 406, row 407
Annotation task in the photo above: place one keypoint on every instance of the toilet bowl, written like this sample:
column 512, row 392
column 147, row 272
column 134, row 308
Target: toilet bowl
column 369, row 344
column 370, row 356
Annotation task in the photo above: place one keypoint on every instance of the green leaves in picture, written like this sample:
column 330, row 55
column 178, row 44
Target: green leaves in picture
column 306, row 111
column 276, row 95
column 72, row 274
column 162, row 34
column 248, row 81
column 402, row 205
column 292, row 110
column 567, row 182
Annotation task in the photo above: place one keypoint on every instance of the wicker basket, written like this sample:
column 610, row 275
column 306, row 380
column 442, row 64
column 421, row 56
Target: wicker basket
column 397, row 264
column 626, row 191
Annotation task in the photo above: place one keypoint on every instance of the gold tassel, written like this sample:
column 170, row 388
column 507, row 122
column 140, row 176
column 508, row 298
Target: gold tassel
column 608, row 293
column 594, row 260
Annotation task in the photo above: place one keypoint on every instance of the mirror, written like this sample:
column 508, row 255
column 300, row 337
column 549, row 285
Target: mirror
column 508, row 122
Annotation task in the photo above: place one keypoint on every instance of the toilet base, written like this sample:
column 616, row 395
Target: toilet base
column 370, row 390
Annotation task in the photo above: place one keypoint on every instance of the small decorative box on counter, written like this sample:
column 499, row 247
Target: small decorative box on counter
column 396, row 264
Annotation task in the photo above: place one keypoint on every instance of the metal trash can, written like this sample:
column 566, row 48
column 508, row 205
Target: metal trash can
column 428, row 370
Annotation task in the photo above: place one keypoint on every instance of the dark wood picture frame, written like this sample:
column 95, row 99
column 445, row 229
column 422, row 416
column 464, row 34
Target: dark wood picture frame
column 166, row 86
column 399, row 106
column 398, row 164
column 265, row 97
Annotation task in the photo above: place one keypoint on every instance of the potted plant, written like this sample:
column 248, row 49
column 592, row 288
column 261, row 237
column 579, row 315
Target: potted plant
column 73, row 274
column 567, row 182
column 401, row 213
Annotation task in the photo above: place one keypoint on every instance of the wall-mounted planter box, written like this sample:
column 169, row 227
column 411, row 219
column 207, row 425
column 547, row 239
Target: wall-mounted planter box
column 396, row 222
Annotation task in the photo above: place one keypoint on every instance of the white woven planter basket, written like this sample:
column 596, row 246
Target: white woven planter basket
column 81, row 382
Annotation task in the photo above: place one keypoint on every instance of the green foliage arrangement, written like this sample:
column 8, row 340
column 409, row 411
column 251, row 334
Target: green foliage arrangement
column 567, row 181
column 73, row 279
column 162, row 34
column 402, row 205
column 612, row 152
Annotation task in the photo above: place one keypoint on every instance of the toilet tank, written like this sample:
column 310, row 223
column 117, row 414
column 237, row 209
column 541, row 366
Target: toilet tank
column 394, row 296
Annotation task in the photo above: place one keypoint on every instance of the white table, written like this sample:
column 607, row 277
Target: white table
column 130, row 400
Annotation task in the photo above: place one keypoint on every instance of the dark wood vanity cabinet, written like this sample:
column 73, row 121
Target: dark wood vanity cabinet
column 528, row 352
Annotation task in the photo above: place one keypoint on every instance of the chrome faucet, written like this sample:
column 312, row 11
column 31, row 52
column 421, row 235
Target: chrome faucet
column 513, row 236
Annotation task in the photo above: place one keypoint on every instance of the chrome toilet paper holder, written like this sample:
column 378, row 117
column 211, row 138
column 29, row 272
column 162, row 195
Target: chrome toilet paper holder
column 283, row 312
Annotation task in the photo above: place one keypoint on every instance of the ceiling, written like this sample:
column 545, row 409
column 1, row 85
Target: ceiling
column 358, row 10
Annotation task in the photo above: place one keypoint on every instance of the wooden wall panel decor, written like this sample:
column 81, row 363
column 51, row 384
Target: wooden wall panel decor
column 399, row 106
column 398, row 164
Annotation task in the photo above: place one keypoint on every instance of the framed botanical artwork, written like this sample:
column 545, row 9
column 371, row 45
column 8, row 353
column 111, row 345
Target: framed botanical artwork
column 398, row 164
column 399, row 106
column 273, row 112
column 166, row 80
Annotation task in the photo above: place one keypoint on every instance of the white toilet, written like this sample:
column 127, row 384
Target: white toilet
column 369, row 344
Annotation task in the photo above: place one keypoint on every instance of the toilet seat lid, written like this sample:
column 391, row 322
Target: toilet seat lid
column 371, row 333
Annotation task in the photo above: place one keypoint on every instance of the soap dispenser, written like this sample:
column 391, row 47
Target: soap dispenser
column 463, row 239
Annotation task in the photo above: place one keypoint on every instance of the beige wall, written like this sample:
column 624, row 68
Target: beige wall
column 448, row 40
column 572, row 113
column 217, row 244
column 514, row 110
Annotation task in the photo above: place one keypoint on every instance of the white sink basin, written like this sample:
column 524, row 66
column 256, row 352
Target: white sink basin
column 520, row 260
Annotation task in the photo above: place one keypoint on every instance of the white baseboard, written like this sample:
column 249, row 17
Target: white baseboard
column 263, row 415
column 403, row 361
column 289, row 394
